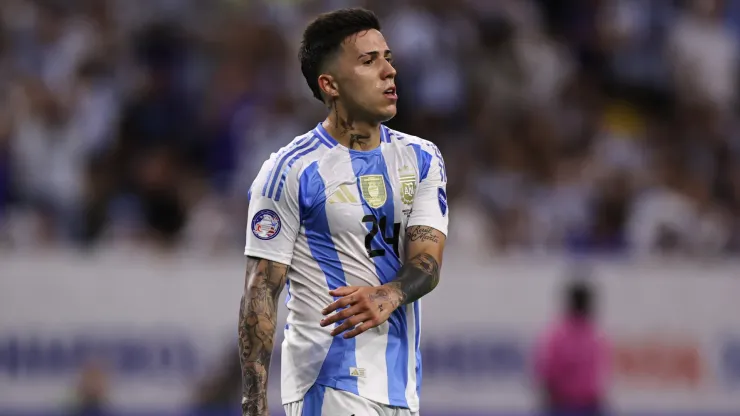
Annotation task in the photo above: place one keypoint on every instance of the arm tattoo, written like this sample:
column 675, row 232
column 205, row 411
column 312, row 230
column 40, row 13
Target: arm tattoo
column 420, row 274
column 257, row 320
column 422, row 234
column 417, row 277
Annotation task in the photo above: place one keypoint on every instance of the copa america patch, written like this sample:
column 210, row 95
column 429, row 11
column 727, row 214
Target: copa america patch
column 442, row 196
column 266, row 224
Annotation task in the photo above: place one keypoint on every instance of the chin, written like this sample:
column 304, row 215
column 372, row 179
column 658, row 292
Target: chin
column 387, row 113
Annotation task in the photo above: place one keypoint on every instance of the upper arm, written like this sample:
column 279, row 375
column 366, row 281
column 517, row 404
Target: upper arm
column 427, row 226
column 274, row 218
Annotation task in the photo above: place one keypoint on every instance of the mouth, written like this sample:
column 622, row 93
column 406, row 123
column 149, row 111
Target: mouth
column 391, row 93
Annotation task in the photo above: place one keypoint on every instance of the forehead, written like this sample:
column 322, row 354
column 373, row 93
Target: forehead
column 364, row 42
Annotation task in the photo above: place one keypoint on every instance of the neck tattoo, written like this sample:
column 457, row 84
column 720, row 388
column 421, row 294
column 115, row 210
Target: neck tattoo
column 358, row 139
column 345, row 126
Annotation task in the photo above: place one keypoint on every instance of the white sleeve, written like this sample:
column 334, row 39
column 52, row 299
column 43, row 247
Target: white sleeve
column 274, row 218
column 430, row 202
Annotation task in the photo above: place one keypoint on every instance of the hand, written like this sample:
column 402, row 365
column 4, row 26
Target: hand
column 368, row 307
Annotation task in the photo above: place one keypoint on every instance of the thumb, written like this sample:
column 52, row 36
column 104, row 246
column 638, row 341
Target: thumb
column 343, row 291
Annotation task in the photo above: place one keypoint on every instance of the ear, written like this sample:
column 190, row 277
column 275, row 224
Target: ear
column 328, row 86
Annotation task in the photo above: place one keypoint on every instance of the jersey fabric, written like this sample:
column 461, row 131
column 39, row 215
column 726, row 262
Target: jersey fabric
column 338, row 217
column 321, row 400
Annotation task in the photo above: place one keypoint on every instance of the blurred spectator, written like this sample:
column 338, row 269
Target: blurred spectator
column 91, row 393
column 704, row 55
column 674, row 215
column 572, row 358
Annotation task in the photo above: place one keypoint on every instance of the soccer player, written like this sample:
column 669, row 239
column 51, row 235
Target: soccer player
column 351, row 218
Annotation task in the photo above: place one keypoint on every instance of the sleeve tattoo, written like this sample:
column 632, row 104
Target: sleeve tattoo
column 420, row 274
column 257, row 321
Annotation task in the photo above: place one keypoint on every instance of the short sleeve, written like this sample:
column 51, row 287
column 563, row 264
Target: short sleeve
column 274, row 218
column 430, row 201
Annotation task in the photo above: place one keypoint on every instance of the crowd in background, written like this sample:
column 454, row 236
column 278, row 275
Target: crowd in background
column 592, row 126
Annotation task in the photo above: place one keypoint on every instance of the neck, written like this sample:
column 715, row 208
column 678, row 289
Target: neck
column 351, row 132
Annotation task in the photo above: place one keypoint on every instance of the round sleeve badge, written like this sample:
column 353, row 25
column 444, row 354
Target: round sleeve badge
column 266, row 224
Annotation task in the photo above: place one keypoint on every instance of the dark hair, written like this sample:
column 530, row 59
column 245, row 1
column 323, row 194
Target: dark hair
column 580, row 298
column 323, row 38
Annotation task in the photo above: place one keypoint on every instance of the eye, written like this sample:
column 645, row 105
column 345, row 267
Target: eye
column 368, row 62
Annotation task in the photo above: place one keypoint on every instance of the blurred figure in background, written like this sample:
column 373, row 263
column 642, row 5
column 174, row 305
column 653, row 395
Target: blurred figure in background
column 91, row 395
column 572, row 358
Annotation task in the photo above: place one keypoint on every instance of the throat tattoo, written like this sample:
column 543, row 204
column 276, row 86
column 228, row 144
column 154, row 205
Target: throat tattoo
column 345, row 126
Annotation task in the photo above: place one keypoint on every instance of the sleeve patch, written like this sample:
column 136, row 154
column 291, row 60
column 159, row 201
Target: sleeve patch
column 266, row 224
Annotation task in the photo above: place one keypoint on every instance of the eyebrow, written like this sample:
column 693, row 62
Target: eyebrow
column 374, row 53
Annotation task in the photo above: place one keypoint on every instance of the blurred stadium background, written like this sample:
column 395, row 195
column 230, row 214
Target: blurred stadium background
column 597, row 135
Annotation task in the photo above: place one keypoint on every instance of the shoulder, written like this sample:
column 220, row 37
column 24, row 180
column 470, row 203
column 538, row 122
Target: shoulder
column 427, row 154
column 298, row 149
column 286, row 164
column 405, row 139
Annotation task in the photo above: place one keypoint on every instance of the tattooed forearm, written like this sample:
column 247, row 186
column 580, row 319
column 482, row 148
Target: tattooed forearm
column 420, row 274
column 417, row 277
column 257, row 320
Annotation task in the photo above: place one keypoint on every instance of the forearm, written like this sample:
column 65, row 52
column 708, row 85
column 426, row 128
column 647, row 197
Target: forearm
column 257, row 323
column 255, row 351
column 420, row 274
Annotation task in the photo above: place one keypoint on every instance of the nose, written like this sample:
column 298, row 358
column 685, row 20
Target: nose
column 389, row 72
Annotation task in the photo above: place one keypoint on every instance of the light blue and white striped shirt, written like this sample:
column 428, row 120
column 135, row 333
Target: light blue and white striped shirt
column 338, row 217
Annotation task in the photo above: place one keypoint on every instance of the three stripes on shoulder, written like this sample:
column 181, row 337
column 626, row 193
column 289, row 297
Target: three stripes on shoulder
column 342, row 195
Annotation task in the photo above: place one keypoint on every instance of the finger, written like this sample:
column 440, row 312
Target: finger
column 339, row 303
column 362, row 327
column 344, row 291
column 349, row 323
column 340, row 316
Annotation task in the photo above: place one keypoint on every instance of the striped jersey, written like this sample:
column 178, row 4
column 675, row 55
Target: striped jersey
column 338, row 217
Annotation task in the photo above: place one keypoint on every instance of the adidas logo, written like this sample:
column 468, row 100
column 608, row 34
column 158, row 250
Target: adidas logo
column 356, row 372
column 342, row 195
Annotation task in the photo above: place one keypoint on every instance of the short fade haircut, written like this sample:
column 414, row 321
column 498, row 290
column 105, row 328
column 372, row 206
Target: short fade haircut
column 323, row 38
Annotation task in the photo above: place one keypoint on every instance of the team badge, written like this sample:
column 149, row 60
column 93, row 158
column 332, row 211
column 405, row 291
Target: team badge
column 408, row 185
column 266, row 225
column 442, row 196
column 373, row 190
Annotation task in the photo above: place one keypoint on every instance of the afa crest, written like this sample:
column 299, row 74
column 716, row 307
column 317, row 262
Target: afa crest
column 373, row 190
column 408, row 185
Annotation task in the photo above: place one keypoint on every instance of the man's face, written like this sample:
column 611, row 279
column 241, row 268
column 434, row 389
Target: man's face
column 366, row 77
